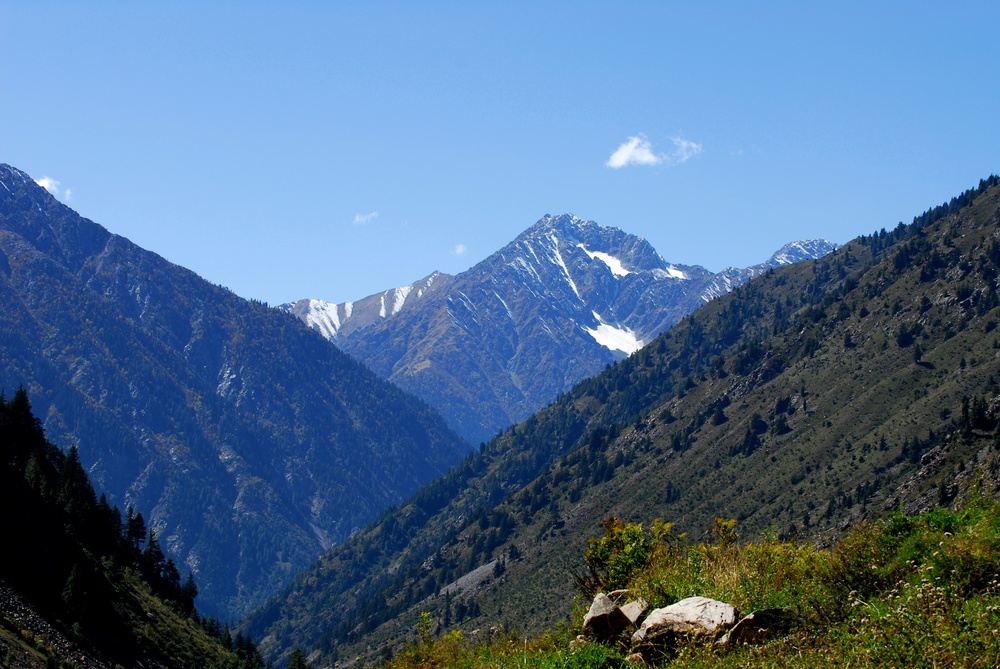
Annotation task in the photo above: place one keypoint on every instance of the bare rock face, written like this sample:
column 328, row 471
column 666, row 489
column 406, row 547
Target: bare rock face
column 698, row 616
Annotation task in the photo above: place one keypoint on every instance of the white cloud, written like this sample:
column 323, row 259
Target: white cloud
column 684, row 150
column 638, row 150
column 460, row 250
column 635, row 151
column 52, row 186
column 365, row 219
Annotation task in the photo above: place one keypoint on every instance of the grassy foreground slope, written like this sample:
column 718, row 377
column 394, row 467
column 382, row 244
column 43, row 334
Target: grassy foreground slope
column 809, row 399
column 904, row 591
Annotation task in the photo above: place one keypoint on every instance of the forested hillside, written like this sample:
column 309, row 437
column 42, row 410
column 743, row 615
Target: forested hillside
column 812, row 397
column 81, row 584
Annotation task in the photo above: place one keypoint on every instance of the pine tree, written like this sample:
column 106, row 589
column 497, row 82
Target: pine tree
column 187, row 595
column 135, row 529
column 297, row 660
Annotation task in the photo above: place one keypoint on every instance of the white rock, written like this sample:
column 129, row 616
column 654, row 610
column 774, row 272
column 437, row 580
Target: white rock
column 694, row 615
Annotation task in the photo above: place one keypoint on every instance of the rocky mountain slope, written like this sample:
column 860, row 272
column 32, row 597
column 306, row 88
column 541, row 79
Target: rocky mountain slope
column 253, row 443
column 812, row 397
column 497, row 342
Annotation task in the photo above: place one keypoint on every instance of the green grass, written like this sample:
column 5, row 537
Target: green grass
column 502, row 652
column 903, row 591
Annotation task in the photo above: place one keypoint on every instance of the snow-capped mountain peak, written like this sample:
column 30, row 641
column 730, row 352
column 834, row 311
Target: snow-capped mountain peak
column 794, row 252
column 491, row 345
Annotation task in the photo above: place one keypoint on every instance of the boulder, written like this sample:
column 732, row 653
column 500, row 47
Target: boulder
column 760, row 626
column 697, row 616
column 634, row 611
column 605, row 620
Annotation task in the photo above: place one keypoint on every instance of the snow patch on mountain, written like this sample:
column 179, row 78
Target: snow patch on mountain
column 671, row 272
column 613, row 263
column 614, row 338
column 522, row 266
column 323, row 316
column 399, row 296
column 722, row 283
column 428, row 283
column 510, row 314
column 562, row 263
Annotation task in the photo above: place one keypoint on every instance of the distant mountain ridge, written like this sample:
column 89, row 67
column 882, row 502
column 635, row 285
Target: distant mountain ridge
column 252, row 442
column 493, row 344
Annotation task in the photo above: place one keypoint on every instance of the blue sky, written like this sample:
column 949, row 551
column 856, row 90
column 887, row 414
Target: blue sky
column 335, row 149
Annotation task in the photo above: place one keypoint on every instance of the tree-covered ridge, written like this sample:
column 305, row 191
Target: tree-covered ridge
column 808, row 398
column 99, row 577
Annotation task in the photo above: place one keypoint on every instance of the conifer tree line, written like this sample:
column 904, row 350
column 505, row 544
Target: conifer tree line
column 43, row 486
column 65, row 546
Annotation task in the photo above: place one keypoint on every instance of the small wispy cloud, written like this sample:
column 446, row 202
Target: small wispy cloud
column 52, row 186
column 638, row 150
column 365, row 219
column 460, row 250
column 684, row 150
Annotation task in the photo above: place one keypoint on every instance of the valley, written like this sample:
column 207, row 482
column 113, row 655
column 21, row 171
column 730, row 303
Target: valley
column 817, row 396
column 826, row 388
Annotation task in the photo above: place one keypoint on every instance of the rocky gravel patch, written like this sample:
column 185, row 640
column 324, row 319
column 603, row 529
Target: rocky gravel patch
column 22, row 620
